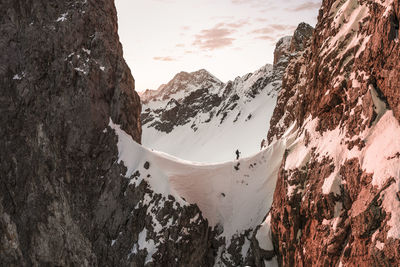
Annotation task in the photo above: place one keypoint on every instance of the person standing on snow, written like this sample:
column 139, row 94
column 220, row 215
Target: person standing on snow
column 237, row 154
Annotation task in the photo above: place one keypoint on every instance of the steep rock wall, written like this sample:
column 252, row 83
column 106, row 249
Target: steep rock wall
column 336, row 200
column 64, row 198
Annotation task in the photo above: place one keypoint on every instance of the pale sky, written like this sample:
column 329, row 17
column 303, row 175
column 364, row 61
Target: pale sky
column 229, row 38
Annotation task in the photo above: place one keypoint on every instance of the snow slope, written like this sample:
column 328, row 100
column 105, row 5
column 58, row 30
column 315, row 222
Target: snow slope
column 223, row 139
column 240, row 121
column 234, row 195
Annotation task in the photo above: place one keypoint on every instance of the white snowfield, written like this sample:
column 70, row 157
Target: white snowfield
column 243, row 128
column 234, row 195
column 244, row 134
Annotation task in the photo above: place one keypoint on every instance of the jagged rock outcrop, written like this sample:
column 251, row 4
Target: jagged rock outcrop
column 182, row 85
column 336, row 200
column 292, row 80
column 177, row 102
column 301, row 37
column 282, row 55
column 64, row 197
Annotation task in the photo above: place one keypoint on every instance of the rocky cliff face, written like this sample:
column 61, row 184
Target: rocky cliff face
column 73, row 191
column 64, row 197
column 69, row 195
column 337, row 197
column 76, row 189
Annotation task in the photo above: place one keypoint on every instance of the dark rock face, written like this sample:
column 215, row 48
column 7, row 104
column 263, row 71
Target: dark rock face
column 300, row 37
column 64, row 200
column 383, row 47
column 330, row 210
column 296, row 57
column 282, row 53
column 181, row 113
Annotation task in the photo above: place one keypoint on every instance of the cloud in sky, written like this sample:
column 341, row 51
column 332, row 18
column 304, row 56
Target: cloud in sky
column 252, row 2
column 305, row 6
column 167, row 58
column 222, row 17
column 214, row 38
column 273, row 31
column 274, row 28
column 237, row 24
column 219, row 36
column 266, row 37
column 190, row 35
column 262, row 19
column 241, row 1
column 267, row 4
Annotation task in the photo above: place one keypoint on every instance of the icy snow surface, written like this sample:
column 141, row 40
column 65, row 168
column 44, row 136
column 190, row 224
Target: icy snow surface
column 62, row 18
column 237, row 131
column 263, row 235
column 146, row 244
column 235, row 199
column 19, row 76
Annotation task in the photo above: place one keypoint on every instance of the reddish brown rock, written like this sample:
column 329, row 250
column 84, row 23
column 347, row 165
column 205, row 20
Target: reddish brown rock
column 331, row 84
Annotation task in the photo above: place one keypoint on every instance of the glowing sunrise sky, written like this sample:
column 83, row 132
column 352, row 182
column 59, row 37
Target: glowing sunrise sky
column 229, row 38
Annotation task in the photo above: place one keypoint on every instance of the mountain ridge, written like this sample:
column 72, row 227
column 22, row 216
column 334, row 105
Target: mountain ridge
column 185, row 82
column 228, row 108
column 78, row 189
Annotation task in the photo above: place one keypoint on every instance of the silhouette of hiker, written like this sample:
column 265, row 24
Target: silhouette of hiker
column 237, row 153
column 262, row 143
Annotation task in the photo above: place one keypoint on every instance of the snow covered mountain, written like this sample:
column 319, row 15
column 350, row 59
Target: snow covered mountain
column 195, row 113
column 190, row 126
column 233, row 197
column 181, row 86
column 78, row 189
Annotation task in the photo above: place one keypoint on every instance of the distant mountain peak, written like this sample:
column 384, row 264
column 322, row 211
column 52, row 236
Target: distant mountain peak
column 302, row 33
column 182, row 85
column 195, row 76
column 291, row 44
column 202, row 71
